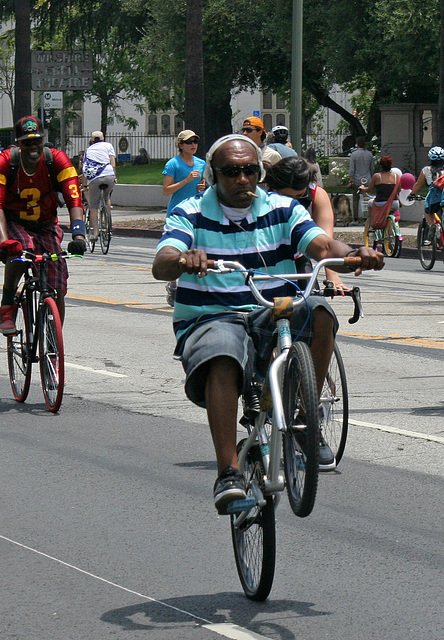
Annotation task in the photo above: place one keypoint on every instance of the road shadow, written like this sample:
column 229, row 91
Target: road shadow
column 232, row 608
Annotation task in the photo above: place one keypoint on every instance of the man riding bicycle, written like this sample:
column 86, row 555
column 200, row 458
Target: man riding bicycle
column 223, row 335
column 28, row 212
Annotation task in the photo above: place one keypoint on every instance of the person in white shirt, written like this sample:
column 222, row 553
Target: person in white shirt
column 99, row 165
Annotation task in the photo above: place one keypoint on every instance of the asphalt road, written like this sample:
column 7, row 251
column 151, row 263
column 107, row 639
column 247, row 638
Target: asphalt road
column 107, row 526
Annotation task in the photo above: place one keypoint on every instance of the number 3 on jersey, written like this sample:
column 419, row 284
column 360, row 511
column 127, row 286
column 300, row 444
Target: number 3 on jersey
column 32, row 204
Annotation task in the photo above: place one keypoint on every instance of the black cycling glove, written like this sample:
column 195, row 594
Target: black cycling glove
column 78, row 247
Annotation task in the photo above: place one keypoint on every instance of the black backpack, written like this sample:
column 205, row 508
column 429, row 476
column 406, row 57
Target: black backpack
column 14, row 164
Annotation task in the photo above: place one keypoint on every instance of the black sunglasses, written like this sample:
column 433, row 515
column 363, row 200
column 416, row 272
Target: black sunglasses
column 28, row 142
column 190, row 141
column 250, row 129
column 234, row 170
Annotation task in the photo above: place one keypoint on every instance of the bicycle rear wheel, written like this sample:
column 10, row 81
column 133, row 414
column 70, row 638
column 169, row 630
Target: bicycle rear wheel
column 105, row 230
column 334, row 405
column 254, row 539
column 52, row 356
column 426, row 252
column 19, row 354
column 369, row 235
column 301, row 443
column 390, row 240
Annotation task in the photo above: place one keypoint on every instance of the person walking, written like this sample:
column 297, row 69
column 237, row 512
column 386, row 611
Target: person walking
column 361, row 166
column 183, row 173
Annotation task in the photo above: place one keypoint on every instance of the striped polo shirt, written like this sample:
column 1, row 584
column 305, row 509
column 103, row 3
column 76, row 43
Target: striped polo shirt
column 274, row 231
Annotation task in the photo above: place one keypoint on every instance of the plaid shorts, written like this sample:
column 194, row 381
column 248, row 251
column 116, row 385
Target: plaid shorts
column 47, row 240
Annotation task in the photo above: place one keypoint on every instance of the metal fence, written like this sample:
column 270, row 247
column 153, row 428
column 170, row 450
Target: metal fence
column 127, row 145
column 326, row 144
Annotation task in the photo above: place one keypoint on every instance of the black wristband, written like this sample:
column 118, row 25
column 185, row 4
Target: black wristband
column 352, row 251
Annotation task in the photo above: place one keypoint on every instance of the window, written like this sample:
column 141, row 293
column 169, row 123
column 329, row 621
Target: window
column 267, row 122
column 267, row 100
column 178, row 125
column 280, row 103
column 152, row 124
column 166, row 127
column 280, row 119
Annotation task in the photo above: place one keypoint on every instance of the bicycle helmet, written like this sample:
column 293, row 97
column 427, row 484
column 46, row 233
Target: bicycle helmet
column 280, row 128
column 436, row 153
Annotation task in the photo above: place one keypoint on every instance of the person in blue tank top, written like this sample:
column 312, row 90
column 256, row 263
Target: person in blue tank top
column 183, row 173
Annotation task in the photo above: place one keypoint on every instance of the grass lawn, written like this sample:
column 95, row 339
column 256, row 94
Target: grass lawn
column 141, row 174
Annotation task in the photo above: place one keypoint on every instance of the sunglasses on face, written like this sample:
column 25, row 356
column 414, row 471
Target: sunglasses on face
column 233, row 171
column 250, row 129
column 30, row 141
column 190, row 142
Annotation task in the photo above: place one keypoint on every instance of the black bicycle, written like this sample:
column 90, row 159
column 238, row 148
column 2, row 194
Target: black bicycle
column 39, row 336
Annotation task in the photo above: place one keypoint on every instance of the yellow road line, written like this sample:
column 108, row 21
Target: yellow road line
column 397, row 339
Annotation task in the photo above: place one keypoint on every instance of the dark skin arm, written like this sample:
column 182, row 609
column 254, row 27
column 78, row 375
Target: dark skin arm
column 170, row 263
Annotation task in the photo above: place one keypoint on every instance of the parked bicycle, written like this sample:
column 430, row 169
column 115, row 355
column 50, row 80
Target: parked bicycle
column 280, row 452
column 39, row 336
column 105, row 224
column 430, row 240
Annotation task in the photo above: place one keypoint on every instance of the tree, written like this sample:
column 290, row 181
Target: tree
column 7, row 76
column 194, row 73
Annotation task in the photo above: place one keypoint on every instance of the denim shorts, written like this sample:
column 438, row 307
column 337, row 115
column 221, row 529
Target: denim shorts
column 247, row 338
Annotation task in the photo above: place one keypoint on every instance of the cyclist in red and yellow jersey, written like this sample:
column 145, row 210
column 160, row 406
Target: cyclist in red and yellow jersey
column 28, row 211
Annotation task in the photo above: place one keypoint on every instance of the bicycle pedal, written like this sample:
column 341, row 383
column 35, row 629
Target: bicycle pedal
column 241, row 505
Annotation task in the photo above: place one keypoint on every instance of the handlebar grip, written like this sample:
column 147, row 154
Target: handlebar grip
column 211, row 264
column 352, row 262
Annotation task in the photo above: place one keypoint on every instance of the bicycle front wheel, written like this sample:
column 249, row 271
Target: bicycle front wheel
column 254, row 538
column 88, row 230
column 105, row 229
column 390, row 240
column 52, row 356
column 334, row 405
column 426, row 247
column 301, row 439
column 19, row 354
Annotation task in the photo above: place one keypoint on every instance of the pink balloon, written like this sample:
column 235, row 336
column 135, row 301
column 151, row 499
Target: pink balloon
column 407, row 181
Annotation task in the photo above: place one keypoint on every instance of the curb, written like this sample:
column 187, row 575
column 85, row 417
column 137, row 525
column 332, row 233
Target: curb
column 128, row 232
column 131, row 232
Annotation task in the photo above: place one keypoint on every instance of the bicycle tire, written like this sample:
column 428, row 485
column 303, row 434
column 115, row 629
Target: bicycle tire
column 19, row 353
column 390, row 240
column 369, row 235
column 254, row 540
column 301, row 445
column 104, row 228
column 51, row 354
column 426, row 253
column 88, row 230
column 334, row 405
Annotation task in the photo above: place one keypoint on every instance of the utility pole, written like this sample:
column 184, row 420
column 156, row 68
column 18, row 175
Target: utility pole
column 22, row 97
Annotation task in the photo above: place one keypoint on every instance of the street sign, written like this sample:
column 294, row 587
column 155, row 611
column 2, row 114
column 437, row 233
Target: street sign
column 53, row 100
column 61, row 70
column 256, row 114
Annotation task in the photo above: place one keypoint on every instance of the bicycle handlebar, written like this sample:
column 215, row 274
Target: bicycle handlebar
column 29, row 256
column 250, row 276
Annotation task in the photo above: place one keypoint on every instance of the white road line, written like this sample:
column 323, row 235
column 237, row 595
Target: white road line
column 113, row 374
column 401, row 432
column 227, row 630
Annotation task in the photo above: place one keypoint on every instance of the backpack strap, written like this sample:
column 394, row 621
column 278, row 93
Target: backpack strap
column 49, row 159
column 14, row 163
